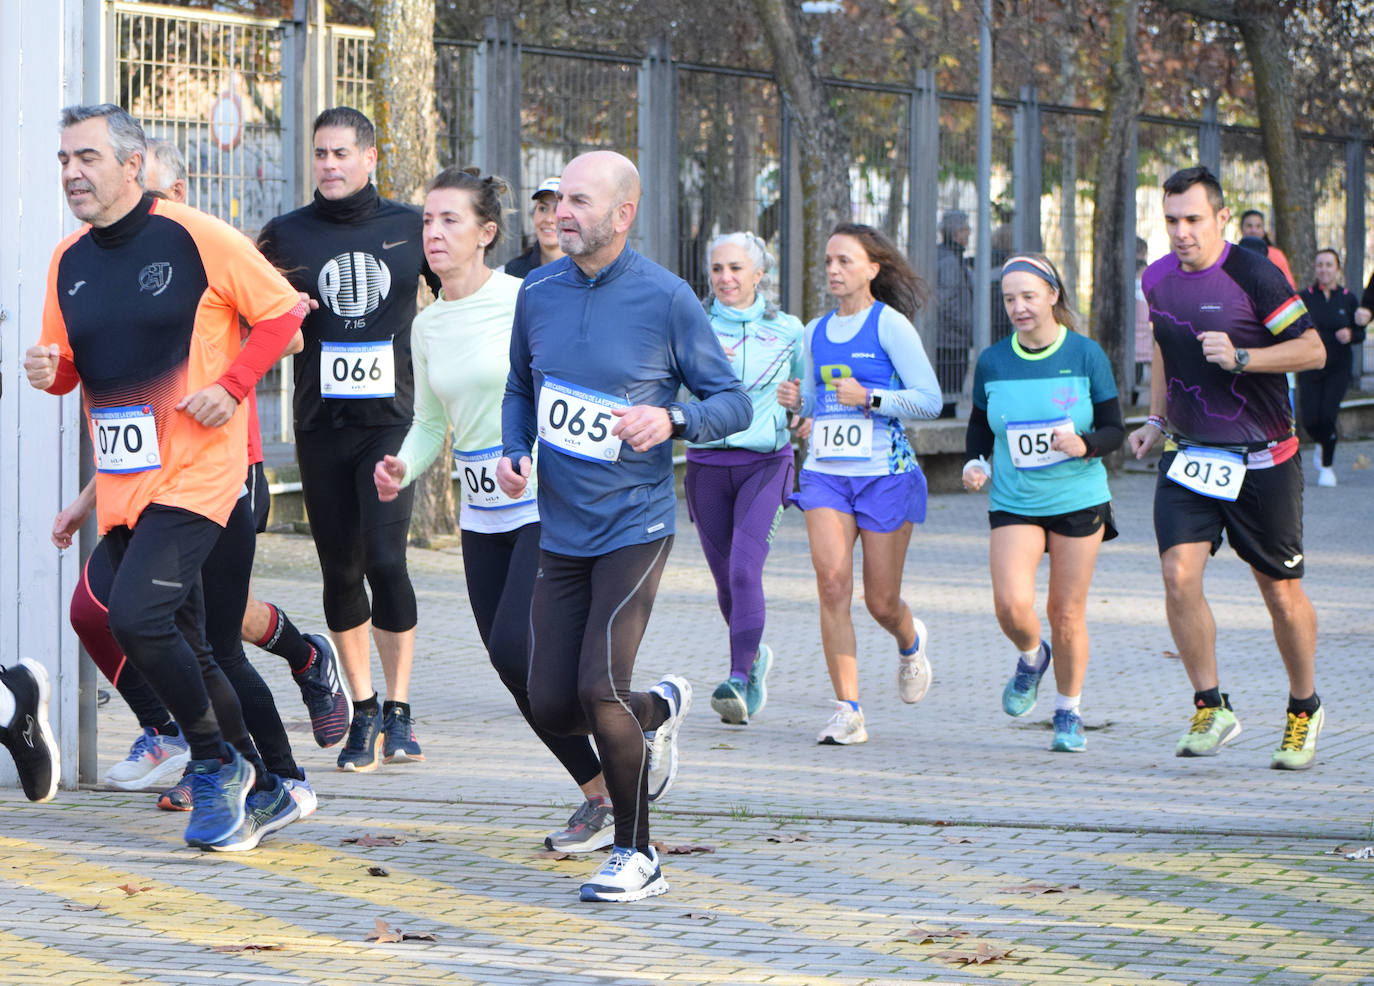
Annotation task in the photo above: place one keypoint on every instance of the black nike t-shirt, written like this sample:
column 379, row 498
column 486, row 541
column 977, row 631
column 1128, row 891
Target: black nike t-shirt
column 361, row 258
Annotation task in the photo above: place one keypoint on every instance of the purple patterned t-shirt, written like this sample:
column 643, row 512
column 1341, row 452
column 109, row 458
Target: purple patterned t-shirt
column 1248, row 298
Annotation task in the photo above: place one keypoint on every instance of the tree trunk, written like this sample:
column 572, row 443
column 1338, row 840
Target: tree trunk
column 824, row 150
column 407, row 155
column 1112, row 318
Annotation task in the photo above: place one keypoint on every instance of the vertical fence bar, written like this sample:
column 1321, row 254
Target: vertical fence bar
column 658, row 154
column 791, row 237
column 982, row 273
column 1355, row 229
column 923, row 185
column 1209, row 137
column 1028, row 156
column 1129, row 176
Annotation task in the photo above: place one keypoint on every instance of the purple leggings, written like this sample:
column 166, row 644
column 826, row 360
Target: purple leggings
column 736, row 509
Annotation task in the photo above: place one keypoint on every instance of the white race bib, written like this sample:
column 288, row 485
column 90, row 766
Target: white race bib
column 354, row 370
column 577, row 421
column 1029, row 442
column 841, row 432
column 478, row 470
column 125, row 439
column 1212, row 472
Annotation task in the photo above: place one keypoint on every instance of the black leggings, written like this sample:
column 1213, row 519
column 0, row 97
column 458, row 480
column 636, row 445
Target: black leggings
column 356, row 535
column 1320, row 393
column 500, row 569
column 587, row 618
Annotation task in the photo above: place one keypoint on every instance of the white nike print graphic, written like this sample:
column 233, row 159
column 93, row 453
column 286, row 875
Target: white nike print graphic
column 75, row 288
column 388, row 246
column 1293, row 562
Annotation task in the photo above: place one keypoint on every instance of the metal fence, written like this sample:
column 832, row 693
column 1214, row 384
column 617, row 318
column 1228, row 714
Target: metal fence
column 222, row 86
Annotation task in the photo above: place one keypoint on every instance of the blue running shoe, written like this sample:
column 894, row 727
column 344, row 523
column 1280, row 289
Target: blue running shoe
column 363, row 751
column 399, row 744
column 266, row 811
column 756, row 695
column 324, row 689
column 1018, row 698
column 1068, row 732
column 218, row 792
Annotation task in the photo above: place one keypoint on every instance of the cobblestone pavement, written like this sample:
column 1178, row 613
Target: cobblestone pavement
column 953, row 829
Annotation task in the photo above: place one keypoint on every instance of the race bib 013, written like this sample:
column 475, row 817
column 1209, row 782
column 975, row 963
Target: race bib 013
column 1213, row 472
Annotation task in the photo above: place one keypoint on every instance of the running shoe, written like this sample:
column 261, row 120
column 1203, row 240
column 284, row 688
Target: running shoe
column 756, row 695
column 913, row 670
column 730, row 703
column 1327, row 476
column 677, row 692
column 28, row 736
column 325, row 692
column 178, row 796
column 363, row 751
column 399, row 738
column 1210, row 729
column 266, row 811
column 1018, row 698
column 218, row 793
column 1298, row 747
column 153, row 762
column 1068, row 732
column 590, row 828
column 845, row 726
column 627, row 875
column 303, row 794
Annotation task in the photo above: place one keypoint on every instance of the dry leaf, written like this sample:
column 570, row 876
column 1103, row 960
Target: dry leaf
column 131, row 890
column 246, row 948
column 789, row 837
column 378, row 871
column 376, row 840
column 956, row 840
column 1036, row 889
column 553, row 854
column 1361, row 462
column 419, row 936
column 384, row 933
column 922, row 935
column 723, row 746
column 980, row 953
column 83, row 907
column 1172, row 655
column 699, row 916
column 666, row 850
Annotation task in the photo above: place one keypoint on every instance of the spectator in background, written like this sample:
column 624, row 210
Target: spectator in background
column 954, row 308
column 1252, row 224
column 1335, row 314
column 545, row 249
column 1002, row 243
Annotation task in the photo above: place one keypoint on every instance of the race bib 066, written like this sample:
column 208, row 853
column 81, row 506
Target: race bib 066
column 577, row 421
column 125, row 439
column 478, row 470
column 355, row 370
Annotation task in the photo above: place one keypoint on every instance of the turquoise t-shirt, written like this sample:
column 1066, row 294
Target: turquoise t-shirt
column 1028, row 395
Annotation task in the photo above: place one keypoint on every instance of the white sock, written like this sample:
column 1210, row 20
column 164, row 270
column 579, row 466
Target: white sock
column 1066, row 703
column 1036, row 659
column 6, row 707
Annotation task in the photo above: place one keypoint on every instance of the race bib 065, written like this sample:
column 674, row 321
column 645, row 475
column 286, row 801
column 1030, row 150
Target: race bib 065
column 577, row 421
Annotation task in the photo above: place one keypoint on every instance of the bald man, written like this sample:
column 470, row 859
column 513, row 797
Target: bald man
column 603, row 340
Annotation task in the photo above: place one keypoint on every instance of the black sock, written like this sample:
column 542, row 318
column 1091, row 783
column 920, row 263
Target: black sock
column 661, row 709
column 1211, row 699
column 401, row 707
column 367, row 704
column 1304, row 706
column 286, row 642
column 170, row 728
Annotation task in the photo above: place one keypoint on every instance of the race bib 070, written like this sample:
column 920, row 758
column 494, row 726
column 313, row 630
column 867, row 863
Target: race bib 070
column 1029, row 442
column 577, row 421
column 125, row 439
column 355, row 370
column 478, row 470
column 1213, row 472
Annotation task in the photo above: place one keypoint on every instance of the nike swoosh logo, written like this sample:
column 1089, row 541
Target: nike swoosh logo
column 1293, row 562
column 388, row 246
column 75, row 288
column 28, row 729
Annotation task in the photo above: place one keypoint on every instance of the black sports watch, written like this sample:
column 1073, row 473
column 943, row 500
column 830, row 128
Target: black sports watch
column 679, row 419
column 875, row 400
column 1242, row 360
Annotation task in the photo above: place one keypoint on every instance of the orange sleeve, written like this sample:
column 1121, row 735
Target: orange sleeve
column 1281, row 262
column 55, row 326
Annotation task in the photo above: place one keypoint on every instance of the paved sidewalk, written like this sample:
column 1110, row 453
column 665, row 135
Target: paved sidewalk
column 1121, row 865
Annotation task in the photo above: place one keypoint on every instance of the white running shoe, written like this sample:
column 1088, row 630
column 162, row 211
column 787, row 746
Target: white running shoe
column 1327, row 476
column 154, row 762
column 303, row 794
column 845, row 726
column 627, row 875
column 677, row 692
column 913, row 671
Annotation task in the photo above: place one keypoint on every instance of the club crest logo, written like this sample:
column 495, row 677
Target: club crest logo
column 155, row 278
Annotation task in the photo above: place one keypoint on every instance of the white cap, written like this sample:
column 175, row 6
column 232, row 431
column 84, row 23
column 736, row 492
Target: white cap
column 550, row 186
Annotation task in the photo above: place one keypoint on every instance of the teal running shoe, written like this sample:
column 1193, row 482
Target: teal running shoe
column 756, row 695
column 730, row 703
column 1068, row 732
column 1018, row 698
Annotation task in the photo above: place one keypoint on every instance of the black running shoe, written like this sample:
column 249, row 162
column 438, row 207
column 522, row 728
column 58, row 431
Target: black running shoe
column 28, row 737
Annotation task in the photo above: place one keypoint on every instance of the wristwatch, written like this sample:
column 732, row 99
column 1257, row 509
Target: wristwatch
column 679, row 419
column 875, row 400
column 1242, row 360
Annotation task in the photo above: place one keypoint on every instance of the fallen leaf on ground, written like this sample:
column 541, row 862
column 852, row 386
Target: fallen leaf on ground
column 419, row 936
column 1036, row 889
column 789, row 837
column 955, row 840
column 1361, row 462
column 699, row 916
column 246, row 948
column 378, row 871
column 922, row 935
column 131, row 890
column 666, row 850
column 723, row 746
column 553, row 854
column 980, row 953
column 384, row 933
column 1173, row 655
column 83, row 907
column 376, row 840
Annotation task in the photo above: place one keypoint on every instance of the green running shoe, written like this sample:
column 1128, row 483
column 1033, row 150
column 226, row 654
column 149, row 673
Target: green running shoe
column 1209, row 730
column 1298, row 748
column 1018, row 698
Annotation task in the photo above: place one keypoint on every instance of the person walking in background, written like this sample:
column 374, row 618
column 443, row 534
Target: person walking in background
column 953, row 308
column 1252, row 224
column 1320, row 392
column 736, row 486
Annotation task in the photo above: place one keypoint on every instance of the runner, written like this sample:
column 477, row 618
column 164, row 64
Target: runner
column 162, row 386
column 603, row 339
column 461, row 347
column 24, row 728
column 866, row 372
column 1227, row 328
column 736, row 485
column 545, row 248
column 358, row 256
column 1045, row 410
column 1333, row 310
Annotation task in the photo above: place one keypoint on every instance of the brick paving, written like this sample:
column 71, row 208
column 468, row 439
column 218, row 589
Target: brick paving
column 1121, row 865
